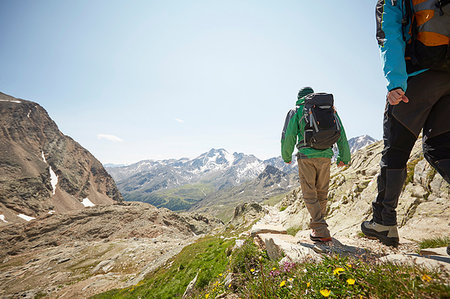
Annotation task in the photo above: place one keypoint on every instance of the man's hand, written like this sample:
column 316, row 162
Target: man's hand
column 340, row 164
column 395, row 96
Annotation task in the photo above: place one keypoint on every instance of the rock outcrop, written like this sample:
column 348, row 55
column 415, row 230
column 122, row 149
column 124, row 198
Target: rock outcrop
column 41, row 169
column 84, row 252
column 299, row 248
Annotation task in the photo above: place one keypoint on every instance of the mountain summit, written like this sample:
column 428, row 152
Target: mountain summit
column 216, row 175
column 41, row 169
column 357, row 143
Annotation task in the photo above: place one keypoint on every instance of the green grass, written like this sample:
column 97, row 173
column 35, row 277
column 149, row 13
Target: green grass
column 340, row 277
column 208, row 257
column 274, row 199
column 410, row 170
column 434, row 242
column 293, row 230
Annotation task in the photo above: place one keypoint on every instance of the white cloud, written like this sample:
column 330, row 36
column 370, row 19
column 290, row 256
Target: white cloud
column 179, row 120
column 109, row 137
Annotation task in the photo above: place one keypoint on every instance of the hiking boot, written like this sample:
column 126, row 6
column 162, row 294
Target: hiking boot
column 316, row 238
column 388, row 235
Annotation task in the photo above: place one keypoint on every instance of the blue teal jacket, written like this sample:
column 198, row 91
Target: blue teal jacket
column 392, row 37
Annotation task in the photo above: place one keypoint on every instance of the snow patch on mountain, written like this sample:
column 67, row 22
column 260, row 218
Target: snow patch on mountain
column 357, row 143
column 53, row 179
column 53, row 176
column 252, row 170
column 11, row 101
column 25, row 217
column 87, row 203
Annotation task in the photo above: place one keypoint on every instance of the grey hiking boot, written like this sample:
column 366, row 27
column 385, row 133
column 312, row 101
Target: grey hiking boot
column 388, row 235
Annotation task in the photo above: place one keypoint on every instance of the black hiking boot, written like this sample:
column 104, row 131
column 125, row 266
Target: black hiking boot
column 388, row 235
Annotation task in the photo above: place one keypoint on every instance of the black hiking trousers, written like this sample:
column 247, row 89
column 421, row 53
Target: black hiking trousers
column 401, row 127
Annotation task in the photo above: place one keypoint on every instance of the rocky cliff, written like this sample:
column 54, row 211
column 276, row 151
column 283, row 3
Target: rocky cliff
column 41, row 169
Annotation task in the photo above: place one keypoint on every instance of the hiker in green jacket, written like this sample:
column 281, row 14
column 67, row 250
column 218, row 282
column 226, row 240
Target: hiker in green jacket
column 313, row 163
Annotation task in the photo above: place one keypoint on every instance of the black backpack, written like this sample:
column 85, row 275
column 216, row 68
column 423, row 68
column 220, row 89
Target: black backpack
column 322, row 128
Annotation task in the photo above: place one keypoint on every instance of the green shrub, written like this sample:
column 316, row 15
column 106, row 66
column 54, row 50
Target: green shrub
column 207, row 257
column 293, row 230
column 245, row 258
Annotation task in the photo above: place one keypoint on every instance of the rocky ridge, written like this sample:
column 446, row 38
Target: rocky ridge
column 83, row 252
column 41, row 169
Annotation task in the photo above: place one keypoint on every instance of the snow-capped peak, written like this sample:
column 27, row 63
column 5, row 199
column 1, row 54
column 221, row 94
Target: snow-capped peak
column 357, row 143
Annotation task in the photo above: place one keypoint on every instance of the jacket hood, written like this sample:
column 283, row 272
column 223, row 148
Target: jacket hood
column 300, row 101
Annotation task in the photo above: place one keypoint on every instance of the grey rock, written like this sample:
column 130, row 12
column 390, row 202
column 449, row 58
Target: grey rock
column 266, row 228
column 429, row 262
column 442, row 251
column 190, row 287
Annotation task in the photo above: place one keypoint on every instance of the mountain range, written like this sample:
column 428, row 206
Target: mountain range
column 209, row 180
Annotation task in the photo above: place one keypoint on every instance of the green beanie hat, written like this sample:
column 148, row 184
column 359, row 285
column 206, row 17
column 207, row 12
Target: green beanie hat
column 304, row 91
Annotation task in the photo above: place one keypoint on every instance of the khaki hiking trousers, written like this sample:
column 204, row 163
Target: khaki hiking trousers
column 314, row 176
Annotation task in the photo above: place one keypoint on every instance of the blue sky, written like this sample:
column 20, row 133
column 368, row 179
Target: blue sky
column 134, row 80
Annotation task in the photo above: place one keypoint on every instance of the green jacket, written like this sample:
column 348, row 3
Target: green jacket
column 293, row 130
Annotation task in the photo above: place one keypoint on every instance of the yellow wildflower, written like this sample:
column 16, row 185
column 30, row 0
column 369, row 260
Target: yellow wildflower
column 426, row 278
column 308, row 284
column 351, row 281
column 274, row 268
column 349, row 265
column 252, row 270
column 338, row 271
column 282, row 283
column 207, row 296
column 229, row 285
column 220, row 274
column 325, row 292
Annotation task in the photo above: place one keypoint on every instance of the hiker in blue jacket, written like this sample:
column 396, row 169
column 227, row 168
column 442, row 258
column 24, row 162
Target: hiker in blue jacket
column 413, row 37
